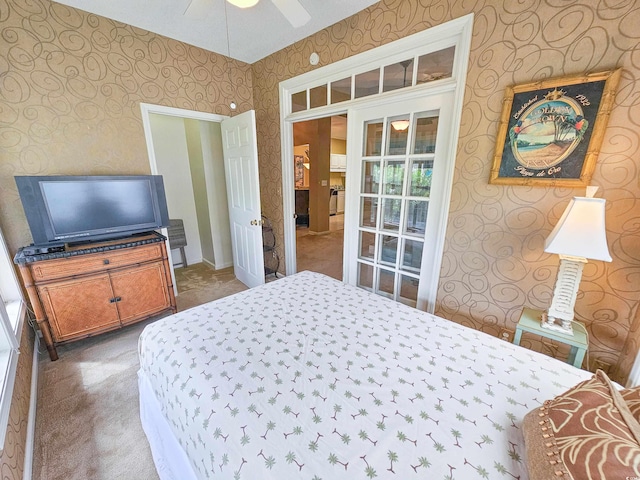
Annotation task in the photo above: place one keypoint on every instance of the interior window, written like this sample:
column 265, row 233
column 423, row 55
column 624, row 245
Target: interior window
column 436, row 65
column 398, row 75
column 341, row 90
column 318, row 96
column 367, row 83
column 299, row 101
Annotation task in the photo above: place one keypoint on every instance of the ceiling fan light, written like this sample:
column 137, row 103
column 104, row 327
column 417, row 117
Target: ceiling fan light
column 243, row 3
column 400, row 125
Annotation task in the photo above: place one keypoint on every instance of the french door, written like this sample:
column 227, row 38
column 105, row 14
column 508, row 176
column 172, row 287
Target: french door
column 401, row 156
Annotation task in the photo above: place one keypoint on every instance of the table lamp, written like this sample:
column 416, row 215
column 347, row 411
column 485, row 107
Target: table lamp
column 579, row 236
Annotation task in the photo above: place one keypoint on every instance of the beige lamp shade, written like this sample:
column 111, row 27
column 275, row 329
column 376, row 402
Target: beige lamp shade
column 581, row 231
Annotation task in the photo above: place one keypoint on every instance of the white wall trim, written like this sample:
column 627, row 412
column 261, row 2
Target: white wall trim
column 429, row 40
column 217, row 267
column 210, row 264
column 456, row 32
column 148, row 108
column 31, row 422
column 9, row 375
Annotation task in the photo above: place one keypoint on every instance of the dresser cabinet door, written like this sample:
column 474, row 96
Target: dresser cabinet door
column 141, row 291
column 79, row 307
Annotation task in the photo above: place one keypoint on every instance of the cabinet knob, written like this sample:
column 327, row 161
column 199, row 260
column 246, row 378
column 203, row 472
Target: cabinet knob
column 106, row 261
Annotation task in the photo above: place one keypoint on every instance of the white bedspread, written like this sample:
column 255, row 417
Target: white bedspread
column 308, row 378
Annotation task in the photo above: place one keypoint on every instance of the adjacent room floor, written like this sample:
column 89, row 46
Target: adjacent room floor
column 322, row 253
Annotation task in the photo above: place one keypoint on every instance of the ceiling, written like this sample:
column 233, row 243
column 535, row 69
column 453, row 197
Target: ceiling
column 254, row 33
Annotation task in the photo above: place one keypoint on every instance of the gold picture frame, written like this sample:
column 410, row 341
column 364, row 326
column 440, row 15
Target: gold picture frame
column 551, row 131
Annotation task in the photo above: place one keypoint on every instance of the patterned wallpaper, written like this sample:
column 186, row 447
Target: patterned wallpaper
column 494, row 261
column 70, row 88
column 71, row 84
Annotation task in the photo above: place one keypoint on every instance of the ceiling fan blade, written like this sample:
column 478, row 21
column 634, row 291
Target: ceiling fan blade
column 293, row 11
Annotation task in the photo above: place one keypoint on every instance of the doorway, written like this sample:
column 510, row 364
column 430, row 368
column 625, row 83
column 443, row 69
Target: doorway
column 185, row 147
column 319, row 169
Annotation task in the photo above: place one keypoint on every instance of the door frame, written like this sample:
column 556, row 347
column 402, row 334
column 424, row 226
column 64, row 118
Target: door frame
column 147, row 109
column 456, row 32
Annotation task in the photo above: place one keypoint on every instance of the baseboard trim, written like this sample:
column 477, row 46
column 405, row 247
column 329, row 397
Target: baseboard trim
column 215, row 266
column 31, row 422
column 209, row 262
column 224, row 265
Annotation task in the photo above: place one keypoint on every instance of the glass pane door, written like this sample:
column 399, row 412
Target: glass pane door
column 397, row 158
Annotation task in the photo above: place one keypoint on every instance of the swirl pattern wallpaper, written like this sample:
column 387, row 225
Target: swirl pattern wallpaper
column 494, row 263
column 71, row 84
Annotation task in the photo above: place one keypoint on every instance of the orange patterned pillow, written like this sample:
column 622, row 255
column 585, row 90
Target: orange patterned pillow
column 632, row 399
column 587, row 433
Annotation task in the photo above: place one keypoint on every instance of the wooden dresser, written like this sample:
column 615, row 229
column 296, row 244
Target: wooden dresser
column 94, row 288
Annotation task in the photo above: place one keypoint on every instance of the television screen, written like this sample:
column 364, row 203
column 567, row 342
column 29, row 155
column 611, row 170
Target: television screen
column 69, row 209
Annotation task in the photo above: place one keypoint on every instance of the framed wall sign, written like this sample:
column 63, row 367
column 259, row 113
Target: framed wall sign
column 550, row 131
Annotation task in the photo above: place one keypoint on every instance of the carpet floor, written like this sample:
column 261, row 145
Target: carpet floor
column 88, row 418
column 321, row 253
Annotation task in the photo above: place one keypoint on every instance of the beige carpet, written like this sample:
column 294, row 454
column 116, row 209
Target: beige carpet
column 88, row 422
column 321, row 253
column 198, row 284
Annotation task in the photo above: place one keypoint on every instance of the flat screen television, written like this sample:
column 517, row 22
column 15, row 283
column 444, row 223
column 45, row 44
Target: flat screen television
column 78, row 209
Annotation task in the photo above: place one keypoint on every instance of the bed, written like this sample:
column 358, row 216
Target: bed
column 306, row 377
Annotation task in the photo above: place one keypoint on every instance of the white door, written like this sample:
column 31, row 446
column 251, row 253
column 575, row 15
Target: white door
column 401, row 160
column 243, row 194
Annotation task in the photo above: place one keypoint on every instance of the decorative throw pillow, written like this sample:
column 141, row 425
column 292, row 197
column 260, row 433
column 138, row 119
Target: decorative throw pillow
column 587, row 433
column 632, row 399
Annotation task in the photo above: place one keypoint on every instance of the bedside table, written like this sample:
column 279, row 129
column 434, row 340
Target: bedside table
column 530, row 322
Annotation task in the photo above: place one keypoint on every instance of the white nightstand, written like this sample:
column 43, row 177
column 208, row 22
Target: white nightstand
column 530, row 322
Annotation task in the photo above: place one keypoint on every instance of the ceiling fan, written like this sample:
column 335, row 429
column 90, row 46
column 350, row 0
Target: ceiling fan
column 292, row 10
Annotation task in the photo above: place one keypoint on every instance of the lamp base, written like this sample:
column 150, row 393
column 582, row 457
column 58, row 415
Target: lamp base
column 557, row 324
column 560, row 314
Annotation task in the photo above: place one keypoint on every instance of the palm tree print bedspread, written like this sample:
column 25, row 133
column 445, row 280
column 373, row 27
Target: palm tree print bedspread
column 308, row 378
